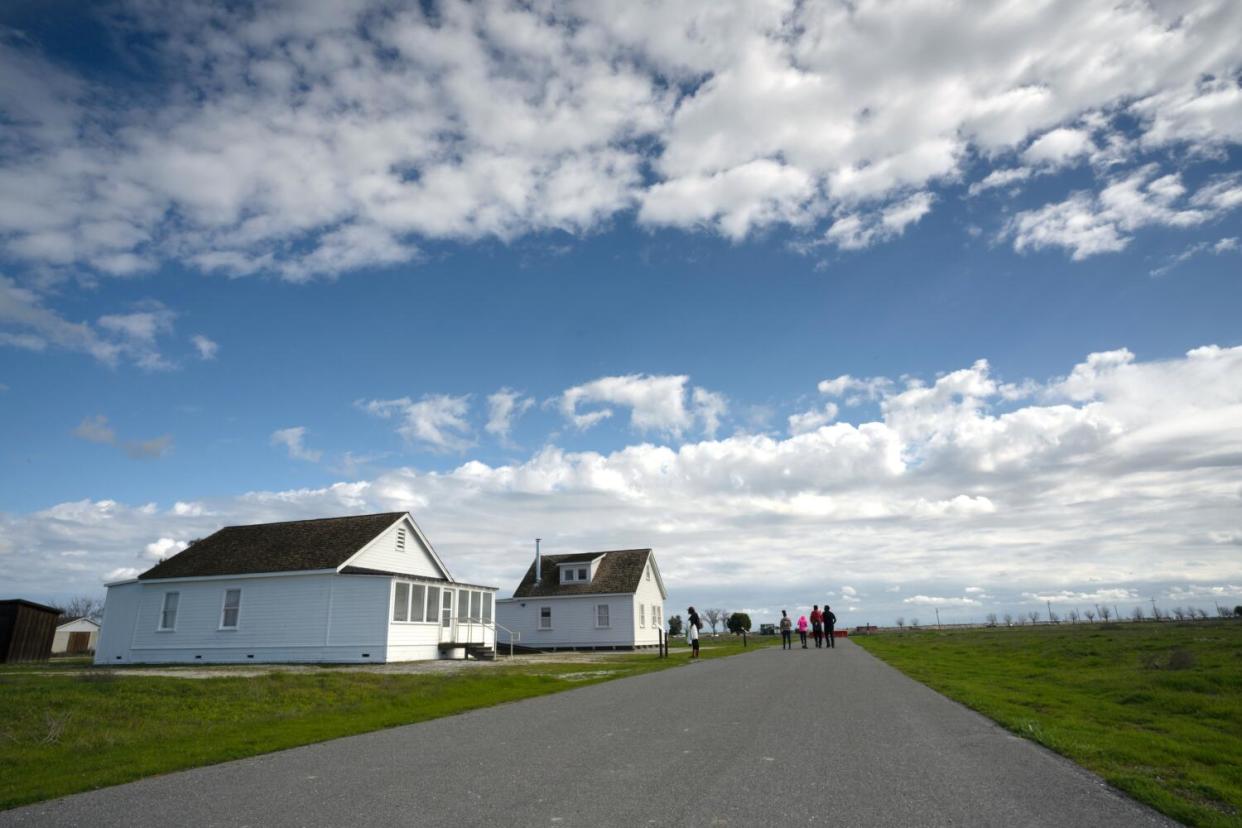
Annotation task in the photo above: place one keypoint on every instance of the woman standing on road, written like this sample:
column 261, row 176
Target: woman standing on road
column 786, row 631
column 802, row 630
column 693, row 624
column 817, row 626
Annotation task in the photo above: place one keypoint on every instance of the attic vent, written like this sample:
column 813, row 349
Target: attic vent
column 400, row 540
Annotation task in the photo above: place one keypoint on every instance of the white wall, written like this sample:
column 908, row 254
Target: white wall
column 382, row 553
column 419, row 640
column 283, row 618
column 573, row 621
column 648, row 594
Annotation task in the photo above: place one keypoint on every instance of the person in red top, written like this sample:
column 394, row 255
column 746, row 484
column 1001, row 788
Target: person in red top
column 817, row 625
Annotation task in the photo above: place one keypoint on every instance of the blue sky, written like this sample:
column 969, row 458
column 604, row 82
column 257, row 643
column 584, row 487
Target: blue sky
column 268, row 264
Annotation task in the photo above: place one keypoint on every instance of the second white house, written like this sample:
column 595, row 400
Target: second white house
column 587, row 600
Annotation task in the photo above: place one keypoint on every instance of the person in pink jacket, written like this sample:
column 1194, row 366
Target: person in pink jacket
column 802, row 630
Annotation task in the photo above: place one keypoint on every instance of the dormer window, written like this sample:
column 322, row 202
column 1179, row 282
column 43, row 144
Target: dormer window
column 570, row 574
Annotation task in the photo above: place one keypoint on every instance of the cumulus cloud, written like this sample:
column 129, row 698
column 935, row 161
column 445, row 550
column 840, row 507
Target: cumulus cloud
column 294, row 441
column 95, row 430
column 660, row 404
column 323, row 142
column 1114, row 482
column 811, row 420
column 437, row 421
column 164, row 548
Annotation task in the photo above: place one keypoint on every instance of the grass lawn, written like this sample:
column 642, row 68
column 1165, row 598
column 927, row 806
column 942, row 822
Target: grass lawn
column 64, row 733
column 1155, row 709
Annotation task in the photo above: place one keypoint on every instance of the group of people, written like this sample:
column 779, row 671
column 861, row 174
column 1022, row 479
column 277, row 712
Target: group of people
column 822, row 625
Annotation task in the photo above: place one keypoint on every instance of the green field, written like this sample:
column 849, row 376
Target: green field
column 65, row 729
column 1155, row 709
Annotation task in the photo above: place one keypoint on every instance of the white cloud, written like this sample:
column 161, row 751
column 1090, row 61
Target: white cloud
column 151, row 449
column 941, row 601
column 504, row 407
column 1000, row 178
column 206, row 348
column 1058, row 147
column 322, row 142
column 811, row 420
column 96, row 430
column 1091, row 224
column 294, row 441
column 656, row 403
column 437, row 421
column 164, row 548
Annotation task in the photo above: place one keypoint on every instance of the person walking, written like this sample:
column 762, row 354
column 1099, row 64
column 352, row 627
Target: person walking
column 693, row 625
column 817, row 625
column 802, row 630
column 830, row 623
column 786, row 631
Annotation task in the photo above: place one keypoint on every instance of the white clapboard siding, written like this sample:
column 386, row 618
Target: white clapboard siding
column 648, row 594
column 120, row 608
column 573, row 621
column 383, row 554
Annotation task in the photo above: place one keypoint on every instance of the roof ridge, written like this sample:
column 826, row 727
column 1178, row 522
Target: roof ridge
column 312, row 520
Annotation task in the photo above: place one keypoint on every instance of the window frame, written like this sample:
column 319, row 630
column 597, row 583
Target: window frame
column 398, row 604
column 584, row 573
column 567, row 574
column 642, row 616
column 176, row 611
column 421, row 591
column 432, row 607
column 541, row 625
column 607, row 608
column 224, row 607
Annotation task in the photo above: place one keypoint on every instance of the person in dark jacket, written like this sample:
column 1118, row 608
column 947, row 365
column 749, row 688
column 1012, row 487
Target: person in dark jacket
column 817, row 625
column 694, row 624
column 830, row 622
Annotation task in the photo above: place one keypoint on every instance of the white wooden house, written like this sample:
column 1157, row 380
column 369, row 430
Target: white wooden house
column 588, row 600
column 81, row 635
column 366, row 588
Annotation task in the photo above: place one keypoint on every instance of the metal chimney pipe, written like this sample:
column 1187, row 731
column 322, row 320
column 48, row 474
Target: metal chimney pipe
column 538, row 562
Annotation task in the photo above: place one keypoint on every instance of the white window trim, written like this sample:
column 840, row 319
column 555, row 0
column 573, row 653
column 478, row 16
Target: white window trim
column 422, row 606
column 642, row 615
column 598, row 625
column 539, row 622
column 223, row 599
column 159, row 626
column 567, row 574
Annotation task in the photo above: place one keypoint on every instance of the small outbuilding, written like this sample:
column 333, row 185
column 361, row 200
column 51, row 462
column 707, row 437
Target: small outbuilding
column 587, row 600
column 26, row 631
column 78, row 636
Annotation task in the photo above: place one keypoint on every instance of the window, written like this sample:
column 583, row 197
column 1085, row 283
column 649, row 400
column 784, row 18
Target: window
column 416, row 602
column 567, row 574
column 433, row 604
column 168, row 615
column 582, row 574
column 401, row 603
column 401, row 540
column 657, row 616
column 446, row 615
column 642, row 615
column 601, row 615
column 648, row 573
column 463, row 604
column 476, row 602
column 487, row 607
column 545, row 618
column 232, row 609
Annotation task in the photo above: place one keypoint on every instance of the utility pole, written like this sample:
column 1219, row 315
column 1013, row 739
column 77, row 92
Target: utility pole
column 1049, row 603
column 937, row 617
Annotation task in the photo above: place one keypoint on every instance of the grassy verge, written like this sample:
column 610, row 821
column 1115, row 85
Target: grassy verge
column 65, row 733
column 1155, row 709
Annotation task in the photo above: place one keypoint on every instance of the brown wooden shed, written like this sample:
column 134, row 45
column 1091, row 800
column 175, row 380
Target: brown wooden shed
column 26, row 631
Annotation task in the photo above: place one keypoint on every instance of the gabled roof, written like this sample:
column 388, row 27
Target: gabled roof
column 621, row 570
column 291, row 546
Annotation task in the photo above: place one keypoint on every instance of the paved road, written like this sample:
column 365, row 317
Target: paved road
column 802, row 737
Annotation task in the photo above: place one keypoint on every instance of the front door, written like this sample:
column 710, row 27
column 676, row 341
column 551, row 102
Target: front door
column 446, row 616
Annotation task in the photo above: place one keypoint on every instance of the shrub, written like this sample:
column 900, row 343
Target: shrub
column 674, row 625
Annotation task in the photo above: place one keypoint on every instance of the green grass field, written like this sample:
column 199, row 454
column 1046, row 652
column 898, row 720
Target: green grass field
column 1155, row 709
column 63, row 731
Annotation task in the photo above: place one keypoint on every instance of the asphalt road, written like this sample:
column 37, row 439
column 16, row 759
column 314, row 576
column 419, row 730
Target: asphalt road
column 801, row 737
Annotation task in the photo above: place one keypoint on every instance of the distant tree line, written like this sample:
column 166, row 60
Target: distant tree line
column 1103, row 612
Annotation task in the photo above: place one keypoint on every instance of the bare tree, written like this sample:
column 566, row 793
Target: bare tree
column 1090, row 613
column 1008, row 619
column 991, row 619
column 1105, row 613
column 1073, row 615
column 914, row 622
column 1158, row 614
column 1053, row 618
column 712, row 614
column 1034, row 616
column 1201, row 612
column 1137, row 614
column 1224, row 612
column 1179, row 613
column 82, row 606
column 901, row 622
column 724, row 619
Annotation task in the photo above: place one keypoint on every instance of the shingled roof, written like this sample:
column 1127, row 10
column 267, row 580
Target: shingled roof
column 621, row 570
column 275, row 547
